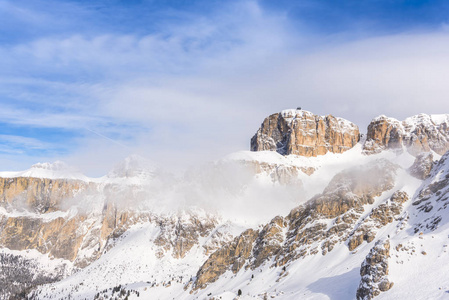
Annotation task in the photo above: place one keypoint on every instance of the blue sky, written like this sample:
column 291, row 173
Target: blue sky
column 90, row 82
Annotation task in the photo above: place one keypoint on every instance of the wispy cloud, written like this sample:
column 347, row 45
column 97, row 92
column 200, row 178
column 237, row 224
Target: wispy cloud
column 195, row 85
column 21, row 145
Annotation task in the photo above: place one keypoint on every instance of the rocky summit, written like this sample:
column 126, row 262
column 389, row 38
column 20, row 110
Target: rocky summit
column 313, row 211
column 417, row 134
column 302, row 133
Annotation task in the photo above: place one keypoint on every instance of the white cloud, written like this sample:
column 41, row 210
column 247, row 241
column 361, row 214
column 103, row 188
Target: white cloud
column 200, row 91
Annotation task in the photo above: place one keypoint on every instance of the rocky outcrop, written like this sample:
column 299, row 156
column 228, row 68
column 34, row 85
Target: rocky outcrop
column 269, row 242
column 180, row 234
column 43, row 222
column 374, row 272
column 433, row 197
column 420, row 133
column 303, row 133
column 380, row 216
column 231, row 256
column 422, row 166
column 383, row 133
column 342, row 202
column 47, row 215
column 305, row 231
column 59, row 237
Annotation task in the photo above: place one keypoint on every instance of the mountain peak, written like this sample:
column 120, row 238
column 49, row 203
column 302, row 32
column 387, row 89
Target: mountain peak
column 419, row 133
column 55, row 170
column 300, row 132
column 133, row 166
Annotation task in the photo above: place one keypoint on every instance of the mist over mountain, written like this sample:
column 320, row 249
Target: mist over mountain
column 334, row 219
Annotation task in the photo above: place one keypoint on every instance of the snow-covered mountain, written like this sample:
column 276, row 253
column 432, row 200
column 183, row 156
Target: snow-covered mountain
column 340, row 216
column 56, row 170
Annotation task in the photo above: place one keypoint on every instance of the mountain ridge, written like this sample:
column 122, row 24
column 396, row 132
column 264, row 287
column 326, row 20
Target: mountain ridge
column 339, row 225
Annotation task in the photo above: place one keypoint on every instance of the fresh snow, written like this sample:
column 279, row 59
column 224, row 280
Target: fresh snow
column 56, row 170
column 290, row 115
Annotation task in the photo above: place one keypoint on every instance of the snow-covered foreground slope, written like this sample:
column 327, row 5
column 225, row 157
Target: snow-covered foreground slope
column 257, row 224
column 134, row 263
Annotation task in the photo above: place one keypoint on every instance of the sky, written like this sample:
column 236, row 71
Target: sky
column 182, row 82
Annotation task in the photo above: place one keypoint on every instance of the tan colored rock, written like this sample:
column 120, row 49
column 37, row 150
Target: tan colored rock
column 231, row 256
column 343, row 199
column 303, row 133
column 380, row 216
column 417, row 134
column 59, row 237
column 38, row 194
column 383, row 133
column 269, row 242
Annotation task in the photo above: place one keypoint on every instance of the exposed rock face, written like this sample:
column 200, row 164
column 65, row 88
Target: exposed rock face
column 43, row 225
column 433, row 197
column 182, row 233
column 422, row 166
column 304, row 231
column 38, row 194
column 420, row 133
column 47, row 223
column 383, row 133
column 303, row 133
column 374, row 272
column 59, row 236
column 380, row 216
column 270, row 240
column 233, row 255
column 75, row 238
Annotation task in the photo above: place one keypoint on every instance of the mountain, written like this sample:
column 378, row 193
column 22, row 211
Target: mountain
column 319, row 214
column 420, row 133
column 56, row 170
column 301, row 132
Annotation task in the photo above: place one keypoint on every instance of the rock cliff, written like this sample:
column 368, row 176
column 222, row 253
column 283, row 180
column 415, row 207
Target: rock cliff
column 303, row 133
column 374, row 272
column 420, row 133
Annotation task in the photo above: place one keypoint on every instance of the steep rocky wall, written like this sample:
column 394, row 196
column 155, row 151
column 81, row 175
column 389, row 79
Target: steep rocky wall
column 303, row 133
column 231, row 256
column 47, row 223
